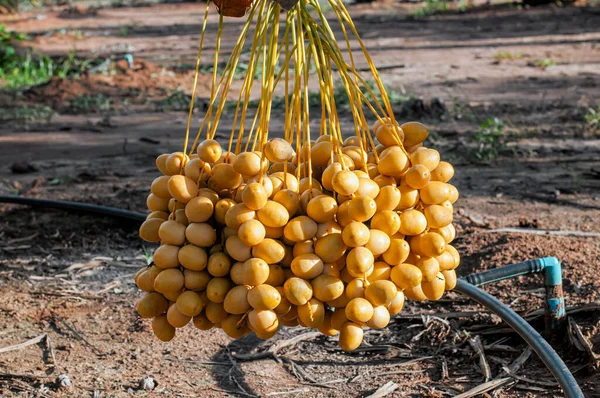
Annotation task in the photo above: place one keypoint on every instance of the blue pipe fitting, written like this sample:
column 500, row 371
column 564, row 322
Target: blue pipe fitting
column 555, row 301
column 556, row 314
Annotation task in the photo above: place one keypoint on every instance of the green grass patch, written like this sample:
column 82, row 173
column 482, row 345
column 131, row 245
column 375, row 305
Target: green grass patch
column 32, row 69
column 27, row 114
column 14, row 6
column 507, row 56
column 430, row 7
column 8, row 39
column 97, row 103
column 433, row 7
column 545, row 63
column 177, row 100
column 17, row 70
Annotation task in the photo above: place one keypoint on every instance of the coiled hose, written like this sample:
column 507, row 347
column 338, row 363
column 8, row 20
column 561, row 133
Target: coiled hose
column 550, row 358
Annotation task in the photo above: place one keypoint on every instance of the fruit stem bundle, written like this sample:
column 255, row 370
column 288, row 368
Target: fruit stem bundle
column 307, row 51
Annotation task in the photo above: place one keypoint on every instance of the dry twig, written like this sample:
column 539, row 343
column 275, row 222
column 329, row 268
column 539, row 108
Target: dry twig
column 594, row 306
column 480, row 389
column 19, row 240
column 398, row 372
column 24, row 344
column 384, row 390
column 531, row 388
column 78, row 335
column 296, row 391
column 536, row 382
column 580, row 234
column 483, row 364
column 445, row 374
column 50, row 349
column 198, row 362
column 276, row 347
column 580, row 341
column 23, row 376
column 67, row 295
column 520, row 361
column 235, row 367
column 228, row 392
column 302, row 374
column 499, row 381
column 445, row 315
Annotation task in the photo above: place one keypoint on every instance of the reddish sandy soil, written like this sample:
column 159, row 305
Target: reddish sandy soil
column 69, row 276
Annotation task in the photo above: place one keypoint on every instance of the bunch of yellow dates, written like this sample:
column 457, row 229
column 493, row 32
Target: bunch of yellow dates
column 329, row 235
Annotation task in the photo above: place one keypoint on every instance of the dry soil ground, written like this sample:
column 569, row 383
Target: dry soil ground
column 69, row 276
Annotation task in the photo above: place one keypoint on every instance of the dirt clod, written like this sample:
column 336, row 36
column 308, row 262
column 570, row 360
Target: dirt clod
column 22, row 167
column 63, row 381
column 147, row 383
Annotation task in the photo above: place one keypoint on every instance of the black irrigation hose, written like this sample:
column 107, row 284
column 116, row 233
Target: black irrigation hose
column 505, row 272
column 550, row 358
column 74, row 206
column 529, row 334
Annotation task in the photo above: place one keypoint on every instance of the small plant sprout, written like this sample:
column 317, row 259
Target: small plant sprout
column 507, row 56
column 490, row 139
column 147, row 255
column 592, row 119
column 545, row 63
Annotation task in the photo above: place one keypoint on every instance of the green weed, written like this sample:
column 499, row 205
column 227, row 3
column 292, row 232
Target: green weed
column 31, row 69
column 75, row 33
column 545, row 63
column 592, row 119
column 27, row 114
column 8, row 52
column 431, row 7
column 507, row 56
column 178, row 100
column 14, row 6
column 28, row 71
column 464, row 5
column 490, row 139
column 61, row 180
column 90, row 104
column 458, row 110
column 148, row 256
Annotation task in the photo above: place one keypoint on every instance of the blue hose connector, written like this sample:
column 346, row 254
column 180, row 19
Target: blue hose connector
column 555, row 300
column 556, row 314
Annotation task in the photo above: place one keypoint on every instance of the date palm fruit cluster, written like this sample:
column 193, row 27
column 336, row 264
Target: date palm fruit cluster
column 322, row 231
column 331, row 235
